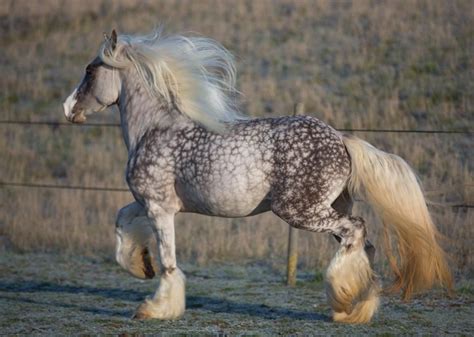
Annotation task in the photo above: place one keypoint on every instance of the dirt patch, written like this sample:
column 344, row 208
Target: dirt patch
column 50, row 294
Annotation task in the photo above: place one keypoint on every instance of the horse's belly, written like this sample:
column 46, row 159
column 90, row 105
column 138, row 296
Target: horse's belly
column 228, row 195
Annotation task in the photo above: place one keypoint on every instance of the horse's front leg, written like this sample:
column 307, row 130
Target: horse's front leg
column 135, row 249
column 168, row 301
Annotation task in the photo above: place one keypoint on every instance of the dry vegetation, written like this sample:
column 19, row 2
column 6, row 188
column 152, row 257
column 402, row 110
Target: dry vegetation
column 372, row 64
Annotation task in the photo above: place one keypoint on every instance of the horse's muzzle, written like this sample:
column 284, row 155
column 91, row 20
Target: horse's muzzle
column 79, row 118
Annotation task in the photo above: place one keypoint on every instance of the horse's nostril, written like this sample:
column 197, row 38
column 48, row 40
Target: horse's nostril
column 79, row 117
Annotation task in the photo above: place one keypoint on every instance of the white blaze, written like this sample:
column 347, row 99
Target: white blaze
column 69, row 104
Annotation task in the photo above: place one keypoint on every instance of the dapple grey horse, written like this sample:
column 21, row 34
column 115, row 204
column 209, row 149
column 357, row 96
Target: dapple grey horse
column 189, row 150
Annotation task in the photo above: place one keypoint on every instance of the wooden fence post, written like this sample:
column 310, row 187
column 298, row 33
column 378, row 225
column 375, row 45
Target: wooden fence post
column 292, row 261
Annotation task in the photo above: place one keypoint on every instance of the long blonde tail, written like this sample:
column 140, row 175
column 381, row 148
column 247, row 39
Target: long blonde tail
column 389, row 185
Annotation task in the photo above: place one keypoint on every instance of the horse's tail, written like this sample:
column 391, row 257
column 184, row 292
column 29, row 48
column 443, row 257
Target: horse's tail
column 391, row 187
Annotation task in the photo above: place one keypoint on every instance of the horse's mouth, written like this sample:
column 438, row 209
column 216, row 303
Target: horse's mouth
column 77, row 118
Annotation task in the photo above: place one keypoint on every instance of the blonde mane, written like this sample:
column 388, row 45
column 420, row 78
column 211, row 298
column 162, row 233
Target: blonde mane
column 197, row 73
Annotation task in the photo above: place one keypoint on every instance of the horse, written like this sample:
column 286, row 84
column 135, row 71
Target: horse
column 191, row 150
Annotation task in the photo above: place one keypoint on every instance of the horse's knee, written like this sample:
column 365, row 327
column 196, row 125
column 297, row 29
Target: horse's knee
column 136, row 247
column 126, row 214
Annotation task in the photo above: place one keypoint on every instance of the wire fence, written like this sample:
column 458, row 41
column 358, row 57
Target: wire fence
column 123, row 189
column 116, row 125
column 65, row 187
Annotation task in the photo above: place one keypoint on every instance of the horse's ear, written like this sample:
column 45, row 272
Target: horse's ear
column 113, row 39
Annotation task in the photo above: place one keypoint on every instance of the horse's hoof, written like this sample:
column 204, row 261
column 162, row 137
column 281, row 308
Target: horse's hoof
column 142, row 312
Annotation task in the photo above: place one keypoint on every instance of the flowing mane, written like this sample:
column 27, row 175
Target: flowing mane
column 197, row 73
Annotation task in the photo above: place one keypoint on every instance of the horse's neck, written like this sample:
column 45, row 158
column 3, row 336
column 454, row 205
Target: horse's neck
column 140, row 111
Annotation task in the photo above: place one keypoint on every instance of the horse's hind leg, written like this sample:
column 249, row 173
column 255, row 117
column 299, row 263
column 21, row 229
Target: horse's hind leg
column 352, row 289
column 343, row 204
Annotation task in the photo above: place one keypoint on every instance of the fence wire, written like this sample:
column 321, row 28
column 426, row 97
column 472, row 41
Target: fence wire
column 116, row 125
column 123, row 189
column 118, row 189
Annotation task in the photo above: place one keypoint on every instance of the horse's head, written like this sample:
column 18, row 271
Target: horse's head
column 99, row 89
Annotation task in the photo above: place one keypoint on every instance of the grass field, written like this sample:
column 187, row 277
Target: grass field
column 69, row 295
column 354, row 64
